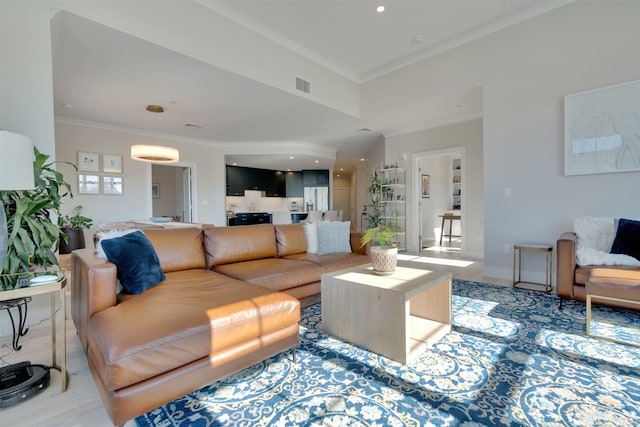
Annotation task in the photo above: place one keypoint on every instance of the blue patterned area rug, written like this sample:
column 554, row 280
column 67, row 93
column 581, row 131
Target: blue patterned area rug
column 513, row 358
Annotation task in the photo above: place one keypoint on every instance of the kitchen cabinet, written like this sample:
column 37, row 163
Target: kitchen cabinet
column 315, row 178
column 251, row 218
column 294, row 184
column 235, row 181
column 240, row 178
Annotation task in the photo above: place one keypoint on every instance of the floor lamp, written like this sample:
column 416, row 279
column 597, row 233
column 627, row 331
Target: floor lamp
column 16, row 173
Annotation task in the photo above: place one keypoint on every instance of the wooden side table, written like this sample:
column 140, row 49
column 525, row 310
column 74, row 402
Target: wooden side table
column 518, row 249
column 51, row 288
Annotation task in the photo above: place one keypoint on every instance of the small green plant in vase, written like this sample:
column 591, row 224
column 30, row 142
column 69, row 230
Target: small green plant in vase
column 383, row 251
column 381, row 235
column 72, row 227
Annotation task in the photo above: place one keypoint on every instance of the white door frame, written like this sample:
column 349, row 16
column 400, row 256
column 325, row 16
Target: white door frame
column 194, row 187
column 416, row 208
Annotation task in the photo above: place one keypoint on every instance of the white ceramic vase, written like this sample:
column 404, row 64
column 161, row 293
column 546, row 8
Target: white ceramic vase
column 383, row 259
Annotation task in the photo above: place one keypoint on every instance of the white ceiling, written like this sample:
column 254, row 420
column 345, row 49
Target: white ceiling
column 105, row 76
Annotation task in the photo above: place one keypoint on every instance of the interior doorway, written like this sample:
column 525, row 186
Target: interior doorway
column 342, row 201
column 172, row 192
column 444, row 171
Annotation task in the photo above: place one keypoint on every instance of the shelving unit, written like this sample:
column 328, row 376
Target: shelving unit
column 456, row 193
column 394, row 198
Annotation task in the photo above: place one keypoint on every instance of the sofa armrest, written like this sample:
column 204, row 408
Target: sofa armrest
column 566, row 264
column 93, row 288
column 356, row 245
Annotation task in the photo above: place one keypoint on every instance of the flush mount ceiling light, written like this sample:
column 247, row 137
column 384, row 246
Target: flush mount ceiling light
column 380, row 9
column 155, row 153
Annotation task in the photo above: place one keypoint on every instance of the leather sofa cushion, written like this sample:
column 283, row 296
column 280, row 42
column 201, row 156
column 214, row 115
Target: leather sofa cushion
column 225, row 245
column 291, row 239
column 191, row 315
column 331, row 262
column 274, row 273
column 177, row 248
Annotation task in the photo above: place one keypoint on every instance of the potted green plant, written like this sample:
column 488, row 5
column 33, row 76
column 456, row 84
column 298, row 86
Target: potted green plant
column 33, row 237
column 72, row 226
column 383, row 251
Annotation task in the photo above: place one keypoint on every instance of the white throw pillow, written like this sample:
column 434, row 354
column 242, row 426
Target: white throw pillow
column 311, row 231
column 109, row 234
column 596, row 233
column 333, row 237
column 595, row 237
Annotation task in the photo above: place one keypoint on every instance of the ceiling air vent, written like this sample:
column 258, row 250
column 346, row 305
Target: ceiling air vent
column 303, row 85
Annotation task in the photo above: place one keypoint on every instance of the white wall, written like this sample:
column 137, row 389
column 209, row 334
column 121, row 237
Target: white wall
column 363, row 173
column 26, row 84
column 465, row 137
column 526, row 70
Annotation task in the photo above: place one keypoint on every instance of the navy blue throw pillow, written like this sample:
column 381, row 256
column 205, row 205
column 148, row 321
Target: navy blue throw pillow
column 627, row 241
column 137, row 261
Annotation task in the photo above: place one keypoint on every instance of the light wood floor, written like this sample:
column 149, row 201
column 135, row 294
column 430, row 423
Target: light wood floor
column 81, row 405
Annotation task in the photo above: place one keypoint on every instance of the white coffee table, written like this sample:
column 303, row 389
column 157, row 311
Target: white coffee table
column 396, row 316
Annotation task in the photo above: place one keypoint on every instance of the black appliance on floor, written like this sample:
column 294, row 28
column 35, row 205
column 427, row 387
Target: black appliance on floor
column 21, row 381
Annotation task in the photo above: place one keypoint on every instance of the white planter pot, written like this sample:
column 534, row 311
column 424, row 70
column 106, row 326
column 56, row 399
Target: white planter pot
column 383, row 259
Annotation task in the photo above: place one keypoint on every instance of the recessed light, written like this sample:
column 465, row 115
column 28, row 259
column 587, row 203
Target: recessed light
column 316, row 161
column 234, row 164
column 380, row 9
column 338, row 175
column 362, row 160
column 417, row 39
column 341, row 169
column 291, row 157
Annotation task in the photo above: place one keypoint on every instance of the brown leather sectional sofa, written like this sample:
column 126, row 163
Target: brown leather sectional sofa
column 571, row 278
column 230, row 300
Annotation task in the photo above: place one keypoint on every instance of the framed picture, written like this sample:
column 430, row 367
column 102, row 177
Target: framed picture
column 602, row 130
column 113, row 185
column 426, row 186
column 112, row 163
column 88, row 162
column 155, row 190
column 88, row 184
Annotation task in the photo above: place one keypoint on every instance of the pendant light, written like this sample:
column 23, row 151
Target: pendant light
column 155, row 153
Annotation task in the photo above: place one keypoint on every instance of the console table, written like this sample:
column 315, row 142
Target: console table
column 397, row 316
column 54, row 287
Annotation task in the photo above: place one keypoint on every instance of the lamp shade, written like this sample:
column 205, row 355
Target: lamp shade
column 16, row 162
column 155, row 154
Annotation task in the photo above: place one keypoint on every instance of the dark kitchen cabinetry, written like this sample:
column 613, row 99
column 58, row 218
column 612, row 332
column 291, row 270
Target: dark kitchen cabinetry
column 241, row 178
column 251, row 218
column 315, row 178
column 235, row 181
column 275, row 183
column 294, row 184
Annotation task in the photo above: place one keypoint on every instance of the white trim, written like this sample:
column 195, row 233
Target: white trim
column 435, row 125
